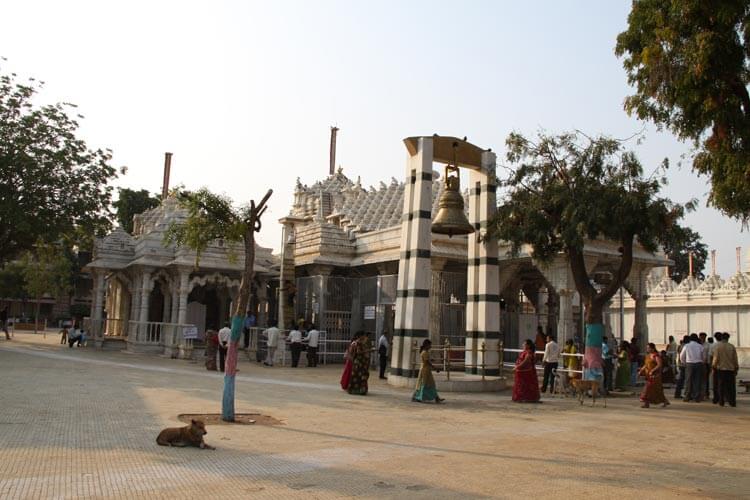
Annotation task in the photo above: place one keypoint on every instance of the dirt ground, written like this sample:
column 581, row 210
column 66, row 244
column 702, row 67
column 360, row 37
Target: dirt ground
column 81, row 423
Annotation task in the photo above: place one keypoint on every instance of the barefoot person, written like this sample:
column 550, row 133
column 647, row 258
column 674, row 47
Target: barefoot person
column 525, row 381
column 653, row 392
column 426, row 389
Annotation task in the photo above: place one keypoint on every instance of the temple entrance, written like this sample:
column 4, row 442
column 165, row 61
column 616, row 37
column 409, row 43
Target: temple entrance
column 216, row 300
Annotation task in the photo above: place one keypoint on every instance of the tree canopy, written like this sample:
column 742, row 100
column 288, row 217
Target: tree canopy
column 678, row 243
column 46, row 271
column 53, row 185
column 563, row 190
column 688, row 61
column 131, row 202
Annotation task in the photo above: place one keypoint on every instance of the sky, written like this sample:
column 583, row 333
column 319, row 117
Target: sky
column 244, row 93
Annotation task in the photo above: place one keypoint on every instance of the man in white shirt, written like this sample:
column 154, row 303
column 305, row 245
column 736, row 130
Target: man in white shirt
column 383, row 354
column 272, row 342
column 225, row 335
column 550, row 359
column 692, row 357
column 312, row 346
column 295, row 345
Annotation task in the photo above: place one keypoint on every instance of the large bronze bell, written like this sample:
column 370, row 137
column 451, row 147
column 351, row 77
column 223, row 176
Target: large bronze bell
column 451, row 218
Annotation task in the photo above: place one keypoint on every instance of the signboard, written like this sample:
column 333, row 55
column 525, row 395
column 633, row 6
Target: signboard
column 369, row 312
column 190, row 332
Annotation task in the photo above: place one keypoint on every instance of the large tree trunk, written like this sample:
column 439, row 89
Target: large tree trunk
column 238, row 316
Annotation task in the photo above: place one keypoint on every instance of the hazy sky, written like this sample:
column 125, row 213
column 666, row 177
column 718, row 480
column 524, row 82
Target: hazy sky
column 244, row 93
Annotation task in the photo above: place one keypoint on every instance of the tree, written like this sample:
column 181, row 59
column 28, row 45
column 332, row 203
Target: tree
column 567, row 189
column 46, row 271
column 53, row 185
column 212, row 217
column 678, row 243
column 131, row 202
column 688, row 61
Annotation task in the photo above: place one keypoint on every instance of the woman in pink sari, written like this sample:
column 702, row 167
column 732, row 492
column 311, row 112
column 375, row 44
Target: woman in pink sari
column 525, row 381
column 346, row 376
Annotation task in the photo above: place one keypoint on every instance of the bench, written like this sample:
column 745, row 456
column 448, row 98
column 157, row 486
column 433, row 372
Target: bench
column 745, row 384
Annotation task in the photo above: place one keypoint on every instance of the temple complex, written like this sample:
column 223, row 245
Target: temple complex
column 145, row 291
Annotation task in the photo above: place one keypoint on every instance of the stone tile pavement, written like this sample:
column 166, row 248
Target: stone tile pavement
column 80, row 423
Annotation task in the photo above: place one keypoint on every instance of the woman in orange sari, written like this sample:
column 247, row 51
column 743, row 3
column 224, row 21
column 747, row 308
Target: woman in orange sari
column 651, row 370
column 525, row 381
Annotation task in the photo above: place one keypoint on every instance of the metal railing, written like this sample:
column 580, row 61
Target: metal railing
column 446, row 359
column 157, row 336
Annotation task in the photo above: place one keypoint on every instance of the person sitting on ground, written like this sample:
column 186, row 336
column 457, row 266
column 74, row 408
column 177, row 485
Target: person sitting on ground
column 78, row 336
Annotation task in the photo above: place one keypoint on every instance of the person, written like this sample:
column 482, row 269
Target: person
column 295, row 344
column 607, row 366
column 525, row 382
column 635, row 352
column 726, row 366
column 272, row 342
column 622, row 376
column 312, row 346
column 383, row 354
column 550, row 361
column 247, row 325
column 225, row 334
column 63, row 335
column 4, row 321
column 571, row 363
column 653, row 392
column 360, row 365
column 426, row 389
column 76, row 336
column 212, row 346
column 346, row 374
column 704, row 341
column 672, row 351
column 713, row 343
column 680, row 368
column 692, row 357
column 667, row 374
column 540, row 340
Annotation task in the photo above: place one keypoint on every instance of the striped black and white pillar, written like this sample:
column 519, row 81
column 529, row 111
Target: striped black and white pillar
column 483, row 280
column 414, row 273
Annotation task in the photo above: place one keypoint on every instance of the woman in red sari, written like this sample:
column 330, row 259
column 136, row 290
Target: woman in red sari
column 346, row 376
column 652, row 371
column 525, row 381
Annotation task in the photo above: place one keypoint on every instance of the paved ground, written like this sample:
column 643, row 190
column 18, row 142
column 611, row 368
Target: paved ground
column 77, row 423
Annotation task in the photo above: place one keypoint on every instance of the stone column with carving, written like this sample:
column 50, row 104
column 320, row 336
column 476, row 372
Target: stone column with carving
column 565, row 326
column 636, row 285
column 262, row 295
column 98, row 304
column 145, row 296
column 175, row 302
column 183, row 296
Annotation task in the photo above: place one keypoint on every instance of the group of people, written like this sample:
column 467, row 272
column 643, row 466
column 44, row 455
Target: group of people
column 708, row 368
column 698, row 360
column 72, row 335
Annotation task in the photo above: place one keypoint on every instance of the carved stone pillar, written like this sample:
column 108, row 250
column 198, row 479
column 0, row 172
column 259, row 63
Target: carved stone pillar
column 183, row 298
column 175, row 302
column 262, row 295
column 145, row 295
column 565, row 327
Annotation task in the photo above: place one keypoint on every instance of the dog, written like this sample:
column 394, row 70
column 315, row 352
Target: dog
column 190, row 435
column 582, row 386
